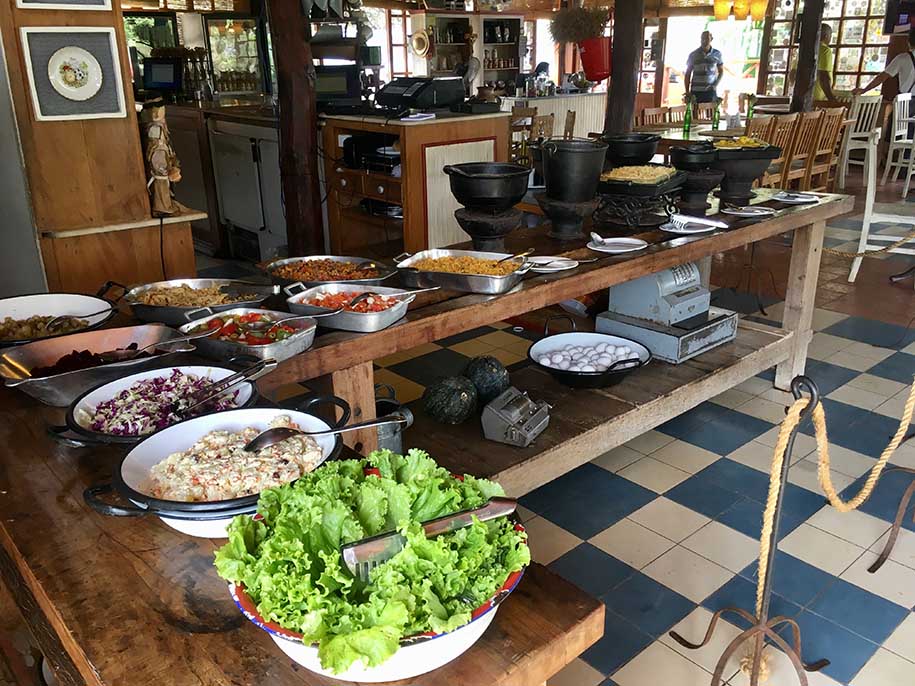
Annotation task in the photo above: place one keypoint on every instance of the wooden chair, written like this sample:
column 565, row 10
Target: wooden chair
column 781, row 134
column 802, row 147
column 704, row 112
column 542, row 127
column 654, row 115
column 760, row 127
column 865, row 112
column 900, row 141
column 520, row 128
column 676, row 114
column 569, row 129
column 823, row 160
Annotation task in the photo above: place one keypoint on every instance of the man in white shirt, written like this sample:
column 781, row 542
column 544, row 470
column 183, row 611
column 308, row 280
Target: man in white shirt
column 901, row 66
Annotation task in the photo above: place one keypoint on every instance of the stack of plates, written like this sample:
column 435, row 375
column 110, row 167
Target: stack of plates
column 549, row 264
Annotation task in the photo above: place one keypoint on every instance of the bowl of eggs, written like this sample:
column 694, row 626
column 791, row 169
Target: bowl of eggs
column 587, row 360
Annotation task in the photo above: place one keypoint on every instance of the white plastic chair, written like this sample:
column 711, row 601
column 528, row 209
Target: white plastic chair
column 899, row 138
column 864, row 112
column 868, row 242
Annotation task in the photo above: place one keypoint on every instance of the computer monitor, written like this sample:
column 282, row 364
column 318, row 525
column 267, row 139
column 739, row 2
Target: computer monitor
column 899, row 16
column 162, row 74
column 338, row 83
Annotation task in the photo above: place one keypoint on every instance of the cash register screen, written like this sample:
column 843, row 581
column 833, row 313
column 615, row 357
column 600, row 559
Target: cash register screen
column 336, row 82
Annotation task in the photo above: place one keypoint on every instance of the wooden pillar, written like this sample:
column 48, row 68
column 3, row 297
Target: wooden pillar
column 627, row 52
column 298, row 127
column 802, row 98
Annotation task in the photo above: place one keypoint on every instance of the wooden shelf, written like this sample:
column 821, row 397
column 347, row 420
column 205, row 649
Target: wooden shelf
column 586, row 422
column 501, row 69
column 494, row 45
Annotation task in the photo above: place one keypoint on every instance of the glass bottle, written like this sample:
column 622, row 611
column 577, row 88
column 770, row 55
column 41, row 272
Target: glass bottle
column 716, row 116
column 688, row 116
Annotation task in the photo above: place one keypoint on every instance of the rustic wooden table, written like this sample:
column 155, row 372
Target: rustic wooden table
column 129, row 601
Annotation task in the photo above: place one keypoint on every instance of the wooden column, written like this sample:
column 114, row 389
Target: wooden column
column 627, row 51
column 804, row 83
column 298, row 127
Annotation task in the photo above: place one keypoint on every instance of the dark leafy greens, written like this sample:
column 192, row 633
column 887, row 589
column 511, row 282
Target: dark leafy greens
column 290, row 562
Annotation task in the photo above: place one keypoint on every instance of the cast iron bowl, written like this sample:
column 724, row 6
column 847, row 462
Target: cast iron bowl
column 741, row 167
column 693, row 157
column 610, row 377
column 488, row 186
column 631, row 149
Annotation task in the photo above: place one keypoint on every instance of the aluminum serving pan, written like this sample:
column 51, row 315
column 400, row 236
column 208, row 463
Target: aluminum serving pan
column 60, row 390
column 56, row 304
column 360, row 322
column 175, row 316
column 384, row 270
column 297, row 343
column 468, row 283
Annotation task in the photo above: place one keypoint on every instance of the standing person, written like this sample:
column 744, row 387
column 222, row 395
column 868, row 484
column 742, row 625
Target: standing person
column 902, row 66
column 704, row 69
column 823, row 89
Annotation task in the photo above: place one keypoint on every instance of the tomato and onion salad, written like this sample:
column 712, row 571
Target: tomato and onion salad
column 237, row 329
column 335, row 301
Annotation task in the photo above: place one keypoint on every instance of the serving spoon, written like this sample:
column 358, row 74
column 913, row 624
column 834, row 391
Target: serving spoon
column 280, row 433
column 61, row 318
column 124, row 354
column 394, row 296
column 527, row 252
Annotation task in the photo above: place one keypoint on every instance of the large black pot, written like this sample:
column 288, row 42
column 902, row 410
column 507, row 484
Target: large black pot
column 631, row 149
column 741, row 167
column 693, row 157
column 488, row 186
column 572, row 168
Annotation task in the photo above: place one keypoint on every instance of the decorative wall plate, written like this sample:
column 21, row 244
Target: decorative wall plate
column 75, row 73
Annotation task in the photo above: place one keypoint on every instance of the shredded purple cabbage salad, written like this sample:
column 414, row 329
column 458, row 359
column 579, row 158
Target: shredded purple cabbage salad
column 146, row 406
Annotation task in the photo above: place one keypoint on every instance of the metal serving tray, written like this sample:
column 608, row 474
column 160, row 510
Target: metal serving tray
column 360, row 322
column 468, row 283
column 62, row 389
column 55, row 304
column 297, row 343
column 384, row 269
column 642, row 190
column 175, row 316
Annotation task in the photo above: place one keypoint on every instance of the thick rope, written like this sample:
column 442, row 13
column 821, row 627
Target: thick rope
column 792, row 419
column 871, row 253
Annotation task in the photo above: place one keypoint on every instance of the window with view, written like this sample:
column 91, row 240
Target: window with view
column 858, row 43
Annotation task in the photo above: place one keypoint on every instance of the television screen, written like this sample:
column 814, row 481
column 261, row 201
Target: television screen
column 899, row 14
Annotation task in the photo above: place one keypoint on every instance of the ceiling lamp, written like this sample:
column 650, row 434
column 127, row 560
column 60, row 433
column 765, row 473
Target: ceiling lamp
column 758, row 9
column 741, row 9
column 722, row 9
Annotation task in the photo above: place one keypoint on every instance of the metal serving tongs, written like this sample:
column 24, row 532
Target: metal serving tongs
column 124, row 354
column 280, row 433
column 526, row 253
column 217, row 388
column 393, row 296
column 361, row 557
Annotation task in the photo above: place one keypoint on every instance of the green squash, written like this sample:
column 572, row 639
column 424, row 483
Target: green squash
column 489, row 377
column 451, row 400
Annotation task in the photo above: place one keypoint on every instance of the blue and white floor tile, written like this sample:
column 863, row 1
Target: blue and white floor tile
column 665, row 530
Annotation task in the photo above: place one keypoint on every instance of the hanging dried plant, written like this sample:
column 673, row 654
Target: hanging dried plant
column 575, row 24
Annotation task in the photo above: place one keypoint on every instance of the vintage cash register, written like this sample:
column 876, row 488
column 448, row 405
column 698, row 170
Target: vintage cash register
column 669, row 313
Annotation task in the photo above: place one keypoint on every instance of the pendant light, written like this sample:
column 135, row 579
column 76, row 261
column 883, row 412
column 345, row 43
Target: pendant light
column 722, row 9
column 758, row 9
column 741, row 9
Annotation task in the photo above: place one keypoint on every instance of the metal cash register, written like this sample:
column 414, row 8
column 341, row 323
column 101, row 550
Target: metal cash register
column 669, row 313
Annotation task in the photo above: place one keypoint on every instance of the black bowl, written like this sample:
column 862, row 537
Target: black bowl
column 630, row 149
column 741, row 167
column 603, row 379
column 488, row 186
column 693, row 157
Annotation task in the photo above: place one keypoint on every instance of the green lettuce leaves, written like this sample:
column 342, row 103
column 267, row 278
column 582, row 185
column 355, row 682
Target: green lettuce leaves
column 290, row 562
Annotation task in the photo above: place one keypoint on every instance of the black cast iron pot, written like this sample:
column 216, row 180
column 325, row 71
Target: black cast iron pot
column 631, row 149
column 488, row 186
column 693, row 157
column 572, row 168
column 741, row 167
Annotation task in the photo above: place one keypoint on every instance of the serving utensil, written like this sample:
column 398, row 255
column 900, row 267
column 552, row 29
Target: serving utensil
column 529, row 251
column 682, row 221
column 280, row 433
column 361, row 557
column 61, row 318
column 399, row 296
column 123, row 354
column 217, row 388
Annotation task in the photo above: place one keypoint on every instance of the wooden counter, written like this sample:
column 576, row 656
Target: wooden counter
column 422, row 189
column 129, row 601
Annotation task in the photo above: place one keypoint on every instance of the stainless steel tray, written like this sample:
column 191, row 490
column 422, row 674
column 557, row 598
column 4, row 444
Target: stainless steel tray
column 297, row 343
column 175, row 316
column 360, row 322
column 62, row 389
column 468, row 283
column 385, row 270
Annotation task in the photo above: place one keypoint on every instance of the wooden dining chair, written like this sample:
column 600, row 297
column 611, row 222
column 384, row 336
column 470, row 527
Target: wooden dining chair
column 824, row 160
column 542, row 126
column 520, row 126
column 676, row 114
column 802, row 148
column 760, row 127
column 780, row 134
column 704, row 112
column 568, row 130
column 654, row 115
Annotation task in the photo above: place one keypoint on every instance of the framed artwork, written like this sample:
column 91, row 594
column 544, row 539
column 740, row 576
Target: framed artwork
column 74, row 72
column 64, row 4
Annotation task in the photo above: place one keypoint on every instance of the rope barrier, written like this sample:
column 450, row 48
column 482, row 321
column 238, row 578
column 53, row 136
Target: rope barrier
column 871, row 253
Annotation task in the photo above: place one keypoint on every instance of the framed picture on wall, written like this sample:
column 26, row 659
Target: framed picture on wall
column 74, row 72
column 64, row 4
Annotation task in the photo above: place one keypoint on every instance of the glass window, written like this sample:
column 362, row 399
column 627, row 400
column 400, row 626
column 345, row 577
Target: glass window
column 849, row 59
column 874, row 59
column 775, row 84
column 845, row 82
column 833, row 8
column 853, row 32
column 875, row 32
column 781, row 33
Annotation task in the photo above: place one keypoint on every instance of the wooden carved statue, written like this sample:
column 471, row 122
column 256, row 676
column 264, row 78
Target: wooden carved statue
column 161, row 162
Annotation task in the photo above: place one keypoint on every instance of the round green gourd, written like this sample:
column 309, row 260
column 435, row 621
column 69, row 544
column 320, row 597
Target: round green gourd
column 489, row 377
column 451, row 400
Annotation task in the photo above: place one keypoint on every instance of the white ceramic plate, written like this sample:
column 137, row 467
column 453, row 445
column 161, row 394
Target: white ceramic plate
column 556, row 264
column 75, row 73
column 688, row 230
column 750, row 212
column 615, row 246
column 796, row 198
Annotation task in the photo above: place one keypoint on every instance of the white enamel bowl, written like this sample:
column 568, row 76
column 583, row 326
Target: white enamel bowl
column 53, row 305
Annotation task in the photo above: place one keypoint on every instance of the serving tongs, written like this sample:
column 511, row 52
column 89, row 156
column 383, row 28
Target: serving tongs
column 522, row 255
column 124, row 354
column 217, row 388
column 391, row 296
column 361, row 557
column 278, row 434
